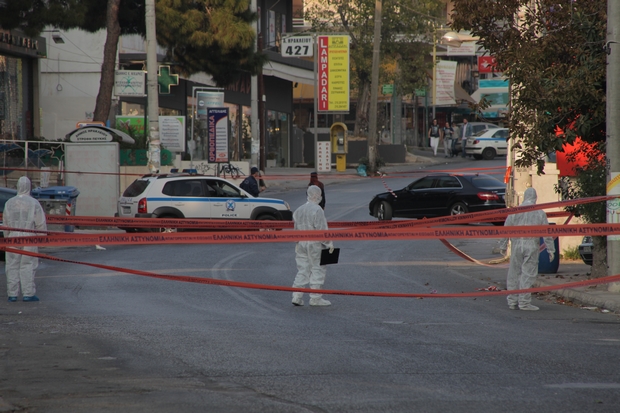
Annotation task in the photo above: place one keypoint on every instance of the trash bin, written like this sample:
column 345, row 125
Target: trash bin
column 57, row 200
column 544, row 265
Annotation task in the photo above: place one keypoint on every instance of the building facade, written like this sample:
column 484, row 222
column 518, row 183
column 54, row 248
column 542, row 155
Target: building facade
column 20, row 57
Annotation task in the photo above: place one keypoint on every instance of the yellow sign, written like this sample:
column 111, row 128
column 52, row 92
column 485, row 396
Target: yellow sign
column 333, row 73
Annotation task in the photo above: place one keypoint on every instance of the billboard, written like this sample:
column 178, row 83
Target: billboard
column 333, row 73
column 217, row 134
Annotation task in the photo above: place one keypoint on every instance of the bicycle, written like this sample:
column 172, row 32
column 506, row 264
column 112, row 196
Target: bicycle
column 232, row 170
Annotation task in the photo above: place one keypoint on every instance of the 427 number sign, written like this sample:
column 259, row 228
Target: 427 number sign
column 297, row 46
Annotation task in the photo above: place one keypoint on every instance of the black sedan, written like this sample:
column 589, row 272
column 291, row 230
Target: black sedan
column 441, row 194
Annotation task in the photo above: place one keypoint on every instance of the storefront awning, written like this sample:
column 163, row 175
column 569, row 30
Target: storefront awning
column 290, row 73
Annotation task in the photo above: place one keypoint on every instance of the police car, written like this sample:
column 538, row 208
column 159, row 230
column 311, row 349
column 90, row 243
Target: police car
column 190, row 195
column 488, row 144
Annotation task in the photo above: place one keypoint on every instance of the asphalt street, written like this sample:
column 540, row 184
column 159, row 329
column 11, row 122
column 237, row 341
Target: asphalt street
column 101, row 341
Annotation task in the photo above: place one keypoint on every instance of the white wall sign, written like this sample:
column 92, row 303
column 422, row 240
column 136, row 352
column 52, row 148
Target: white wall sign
column 90, row 135
column 172, row 133
column 444, row 88
column 323, row 156
column 129, row 83
column 297, row 46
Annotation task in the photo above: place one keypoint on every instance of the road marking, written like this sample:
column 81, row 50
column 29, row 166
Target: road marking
column 584, row 386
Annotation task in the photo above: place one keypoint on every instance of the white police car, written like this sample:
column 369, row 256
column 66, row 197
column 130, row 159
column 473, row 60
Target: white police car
column 189, row 195
column 488, row 144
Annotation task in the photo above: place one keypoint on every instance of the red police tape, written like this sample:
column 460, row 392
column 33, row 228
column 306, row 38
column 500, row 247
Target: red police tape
column 225, row 283
column 353, row 234
column 483, row 216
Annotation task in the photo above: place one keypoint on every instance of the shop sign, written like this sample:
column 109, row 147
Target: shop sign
column 85, row 135
column 217, row 133
column 129, row 83
column 333, row 73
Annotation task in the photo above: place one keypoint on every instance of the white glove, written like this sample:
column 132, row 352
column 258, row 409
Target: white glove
column 551, row 256
column 331, row 249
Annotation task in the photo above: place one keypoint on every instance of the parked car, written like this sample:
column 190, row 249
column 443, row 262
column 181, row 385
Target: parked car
column 487, row 144
column 585, row 249
column 475, row 127
column 441, row 194
column 190, row 195
column 5, row 195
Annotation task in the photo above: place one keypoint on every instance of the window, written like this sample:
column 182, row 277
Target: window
column 136, row 188
column 448, row 182
column 423, row 183
column 189, row 188
column 223, row 189
column 501, row 134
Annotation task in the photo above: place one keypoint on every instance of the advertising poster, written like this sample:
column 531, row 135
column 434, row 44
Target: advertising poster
column 446, row 72
column 172, row 133
column 333, row 73
column 324, row 156
column 217, row 134
column 207, row 100
column 613, row 205
column 129, row 83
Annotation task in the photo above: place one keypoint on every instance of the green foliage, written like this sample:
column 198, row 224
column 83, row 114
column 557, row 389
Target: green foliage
column 553, row 54
column 33, row 16
column 589, row 182
column 571, row 253
column 212, row 36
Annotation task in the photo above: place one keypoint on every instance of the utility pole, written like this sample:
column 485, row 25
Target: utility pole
column 613, row 134
column 152, row 89
column 261, row 112
column 254, row 125
column 374, row 86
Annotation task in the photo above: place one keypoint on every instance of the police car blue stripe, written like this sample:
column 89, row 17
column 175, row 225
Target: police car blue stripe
column 219, row 199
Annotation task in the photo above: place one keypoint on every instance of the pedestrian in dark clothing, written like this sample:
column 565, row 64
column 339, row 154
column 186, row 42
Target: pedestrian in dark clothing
column 250, row 184
column 314, row 180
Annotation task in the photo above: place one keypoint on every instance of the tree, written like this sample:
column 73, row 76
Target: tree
column 553, row 54
column 212, row 36
column 406, row 30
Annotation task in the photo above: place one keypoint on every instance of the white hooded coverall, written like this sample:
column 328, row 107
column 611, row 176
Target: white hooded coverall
column 524, row 252
column 22, row 211
column 310, row 216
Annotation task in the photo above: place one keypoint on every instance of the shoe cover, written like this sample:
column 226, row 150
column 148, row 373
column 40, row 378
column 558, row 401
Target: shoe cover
column 319, row 302
column 529, row 307
column 32, row 298
column 12, row 299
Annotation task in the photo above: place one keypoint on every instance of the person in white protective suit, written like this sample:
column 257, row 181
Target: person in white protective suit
column 524, row 253
column 24, row 212
column 310, row 216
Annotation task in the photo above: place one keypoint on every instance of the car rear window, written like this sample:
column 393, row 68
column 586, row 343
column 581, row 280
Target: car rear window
column 136, row 188
column 485, row 181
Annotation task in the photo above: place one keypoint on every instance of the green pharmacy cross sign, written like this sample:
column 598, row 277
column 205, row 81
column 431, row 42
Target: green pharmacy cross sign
column 165, row 80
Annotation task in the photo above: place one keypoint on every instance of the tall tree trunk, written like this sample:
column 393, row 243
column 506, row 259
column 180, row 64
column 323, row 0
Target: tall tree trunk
column 106, row 84
column 361, row 112
column 599, row 257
